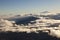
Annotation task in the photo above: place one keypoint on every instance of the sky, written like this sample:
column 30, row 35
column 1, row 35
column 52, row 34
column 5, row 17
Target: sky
column 28, row 6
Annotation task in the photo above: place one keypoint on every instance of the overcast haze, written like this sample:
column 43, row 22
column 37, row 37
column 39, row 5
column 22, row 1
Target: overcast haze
column 28, row 6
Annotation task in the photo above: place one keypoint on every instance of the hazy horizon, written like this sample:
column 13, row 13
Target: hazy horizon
column 28, row 6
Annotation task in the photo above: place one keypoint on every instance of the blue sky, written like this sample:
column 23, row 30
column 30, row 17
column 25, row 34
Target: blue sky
column 28, row 6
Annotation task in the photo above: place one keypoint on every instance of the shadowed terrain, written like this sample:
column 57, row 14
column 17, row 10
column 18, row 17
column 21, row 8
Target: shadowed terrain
column 25, row 36
column 23, row 20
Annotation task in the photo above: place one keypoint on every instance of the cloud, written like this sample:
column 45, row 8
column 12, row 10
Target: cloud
column 9, row 26
column 55, row 33
column 5, row 23
column 45, row 12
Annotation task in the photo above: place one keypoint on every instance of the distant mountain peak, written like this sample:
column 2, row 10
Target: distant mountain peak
column 45, row 12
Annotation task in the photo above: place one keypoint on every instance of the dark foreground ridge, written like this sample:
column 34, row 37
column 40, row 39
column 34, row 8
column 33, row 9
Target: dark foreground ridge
column 25, row 36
